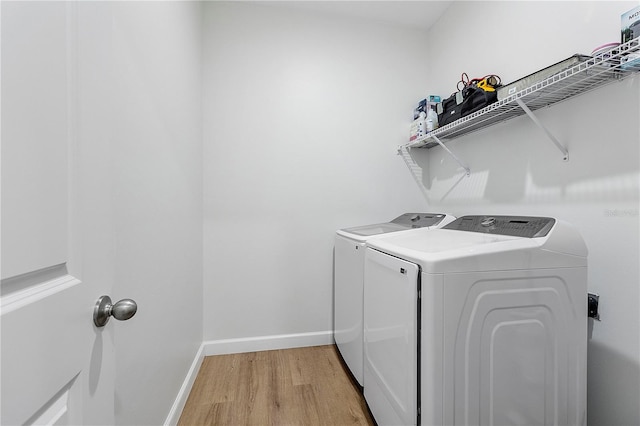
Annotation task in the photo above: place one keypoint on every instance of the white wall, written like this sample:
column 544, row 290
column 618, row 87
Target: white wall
column 140, row 143
column 303, row 113
column 516, row 170
column 158, row 201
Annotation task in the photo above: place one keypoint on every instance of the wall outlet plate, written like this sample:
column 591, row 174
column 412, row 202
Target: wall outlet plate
column 593, row 300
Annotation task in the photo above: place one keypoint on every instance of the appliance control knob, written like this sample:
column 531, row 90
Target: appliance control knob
column 488, row 221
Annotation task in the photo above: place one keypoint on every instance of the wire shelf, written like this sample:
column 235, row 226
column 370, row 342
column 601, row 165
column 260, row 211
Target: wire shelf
column 595, row 72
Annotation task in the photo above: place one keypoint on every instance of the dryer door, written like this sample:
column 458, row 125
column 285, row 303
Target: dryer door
column 391, row 307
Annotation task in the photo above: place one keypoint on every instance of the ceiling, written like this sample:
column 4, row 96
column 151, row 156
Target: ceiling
column 416, row 15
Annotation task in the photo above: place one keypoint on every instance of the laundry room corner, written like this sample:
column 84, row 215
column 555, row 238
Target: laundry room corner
column 303, row 114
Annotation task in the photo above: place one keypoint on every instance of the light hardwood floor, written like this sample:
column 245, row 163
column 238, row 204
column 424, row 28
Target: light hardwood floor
column 302, row 386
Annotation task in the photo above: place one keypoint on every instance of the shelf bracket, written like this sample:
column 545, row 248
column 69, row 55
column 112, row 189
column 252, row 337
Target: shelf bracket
column 532, row 116
column 416, row 171
column 455, row 157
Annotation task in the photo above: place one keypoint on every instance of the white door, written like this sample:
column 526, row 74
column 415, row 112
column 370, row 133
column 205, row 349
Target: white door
column 56, row 366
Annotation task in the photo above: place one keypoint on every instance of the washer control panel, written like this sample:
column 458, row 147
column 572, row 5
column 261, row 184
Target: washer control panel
column 419, row 220
column 516, row 226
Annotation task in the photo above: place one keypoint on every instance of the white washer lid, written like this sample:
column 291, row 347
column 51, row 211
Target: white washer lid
column 444, row 250
column 376, row 229
column 402, row 223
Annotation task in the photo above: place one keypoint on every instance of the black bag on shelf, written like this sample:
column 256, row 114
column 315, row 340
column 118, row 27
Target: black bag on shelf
column 476, row 98
column 470, row 99
column 450, row 109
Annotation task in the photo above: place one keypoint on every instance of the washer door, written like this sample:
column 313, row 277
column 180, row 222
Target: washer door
column 348, row 294
column 391, row 307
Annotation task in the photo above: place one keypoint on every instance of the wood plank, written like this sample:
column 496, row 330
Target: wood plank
column 301, row 386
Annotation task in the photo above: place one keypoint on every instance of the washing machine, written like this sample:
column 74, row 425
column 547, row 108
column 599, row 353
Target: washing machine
column 349, row 277
column 482, row 322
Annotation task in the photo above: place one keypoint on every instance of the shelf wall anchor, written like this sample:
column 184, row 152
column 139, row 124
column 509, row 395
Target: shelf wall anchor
column 532, row 116
column 455, row 157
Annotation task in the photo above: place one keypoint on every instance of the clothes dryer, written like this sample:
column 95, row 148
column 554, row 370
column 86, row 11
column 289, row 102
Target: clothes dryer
column 349, row 277
column 482, row 322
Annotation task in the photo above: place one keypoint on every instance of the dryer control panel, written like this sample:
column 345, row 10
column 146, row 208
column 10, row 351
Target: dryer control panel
column 516, row 226
column 419, row 220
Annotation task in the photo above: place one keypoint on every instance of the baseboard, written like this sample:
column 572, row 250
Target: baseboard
column 267, row 343
column 185, row 389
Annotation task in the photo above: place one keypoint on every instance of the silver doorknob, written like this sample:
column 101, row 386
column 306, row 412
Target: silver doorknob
column 121, row 310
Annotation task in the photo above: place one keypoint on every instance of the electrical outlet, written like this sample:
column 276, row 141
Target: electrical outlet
column 593, row 300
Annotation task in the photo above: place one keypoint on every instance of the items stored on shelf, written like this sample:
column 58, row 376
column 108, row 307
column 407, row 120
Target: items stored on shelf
column 630, row 25
column 592, row 73
column 474, row 95
column 424, row 118
column 418, row 128
column 432, row 119
column 630, row 29
column 424, row 105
